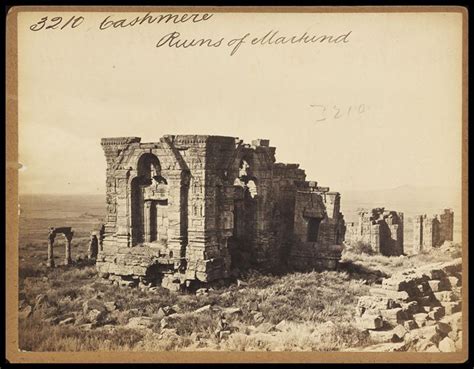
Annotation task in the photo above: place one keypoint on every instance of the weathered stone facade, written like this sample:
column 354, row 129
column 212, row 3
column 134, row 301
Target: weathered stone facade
column 432, row 231
column 381, row 229
column 201, row 208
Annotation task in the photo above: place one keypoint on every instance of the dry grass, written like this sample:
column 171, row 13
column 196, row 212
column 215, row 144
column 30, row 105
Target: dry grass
column 306, row 301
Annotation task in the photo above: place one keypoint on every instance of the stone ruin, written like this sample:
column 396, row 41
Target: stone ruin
column 432, row 231
column 53, row 232
column 96, row 243
column 381, row 229
column 192, row 209
column 415, row 310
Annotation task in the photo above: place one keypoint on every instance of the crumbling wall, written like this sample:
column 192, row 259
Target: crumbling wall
column 432, row 231
column 381, row 229
column 318, row 228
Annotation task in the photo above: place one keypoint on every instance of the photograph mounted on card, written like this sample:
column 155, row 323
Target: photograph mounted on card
column 202, row 184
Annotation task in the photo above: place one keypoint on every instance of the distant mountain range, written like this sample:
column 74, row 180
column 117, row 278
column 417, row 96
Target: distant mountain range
column 404, row 198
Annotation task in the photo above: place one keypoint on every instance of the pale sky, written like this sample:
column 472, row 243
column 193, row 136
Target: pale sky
column 78, row 85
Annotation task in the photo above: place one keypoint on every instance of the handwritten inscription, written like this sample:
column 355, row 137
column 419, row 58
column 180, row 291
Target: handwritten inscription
column 175, row 39
column 110, row 23
column 334, row 112
column 57, row 23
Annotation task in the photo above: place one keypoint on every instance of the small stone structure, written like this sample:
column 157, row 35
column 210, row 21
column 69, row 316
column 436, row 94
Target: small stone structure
column 419, row 309
column 96, row 242
column 93, row 249
column 432, row 231
column 381, row 229
column 53, row 232
column 193, row 209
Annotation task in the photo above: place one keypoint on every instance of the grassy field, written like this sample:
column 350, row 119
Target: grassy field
column 296, row 311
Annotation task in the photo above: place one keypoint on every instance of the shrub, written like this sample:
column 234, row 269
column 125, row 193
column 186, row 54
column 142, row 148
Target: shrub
column 362, row 248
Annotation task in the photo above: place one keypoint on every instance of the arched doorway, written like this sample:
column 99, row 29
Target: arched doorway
column 245, row 216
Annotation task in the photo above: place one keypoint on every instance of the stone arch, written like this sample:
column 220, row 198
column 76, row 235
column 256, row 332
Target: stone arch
column 149, row 201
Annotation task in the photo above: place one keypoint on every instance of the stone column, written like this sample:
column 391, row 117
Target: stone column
column 93, row 247
column 147, row 221
column 51, row 237
column 101, row 237
column 67, row 258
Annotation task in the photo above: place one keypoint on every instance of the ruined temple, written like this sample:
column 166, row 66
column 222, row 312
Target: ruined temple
column 192, row 209
column 432, row 231
column 381, row 229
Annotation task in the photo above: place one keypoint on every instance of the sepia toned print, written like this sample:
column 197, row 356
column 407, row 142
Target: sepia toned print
column 196, row 180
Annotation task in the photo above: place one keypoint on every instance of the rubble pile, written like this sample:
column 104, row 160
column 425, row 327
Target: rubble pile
column 416, row 310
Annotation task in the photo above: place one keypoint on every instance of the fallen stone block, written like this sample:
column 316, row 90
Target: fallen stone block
column 452, row 267
column 396, row 315
column 436, row 313
column 420, row 319
column 424, row 345
column 224, row 335
column 395, row 283
column 446, row 296
column 443, row 328
column 381, row 336
column 394, row 295
column 96, row 317
column 435, row 273
column 410, row 325
column 93, row 304
column 372, row 304
column 265, row 327
column 67, row 321
column 25, row 312
column 232, row 311
column 411, row 307
column 452, row 307
column 140, row 322
column 203, row 309
column 399, row 333
column 369, row 321
column 111, row 306
column 447, row 345
column 282, row 326
column 426, row 300
column 454, row 281
column 440, row 285
column 454, row 320
column 454, row 335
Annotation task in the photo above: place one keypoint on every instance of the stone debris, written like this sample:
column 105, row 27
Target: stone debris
column 25, row 312
column 265, row 327
column 140, row 322
column 417, row 307
column 67, row 321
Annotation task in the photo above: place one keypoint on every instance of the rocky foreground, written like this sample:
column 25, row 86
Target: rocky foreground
column 415, row 310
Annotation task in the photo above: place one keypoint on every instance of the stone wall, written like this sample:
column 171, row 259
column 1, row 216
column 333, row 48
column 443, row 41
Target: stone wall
column 380, row 229
column 432, row 231
column 198, row 208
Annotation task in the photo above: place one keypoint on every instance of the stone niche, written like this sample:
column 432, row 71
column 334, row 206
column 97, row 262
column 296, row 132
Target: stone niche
column 192, row 209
